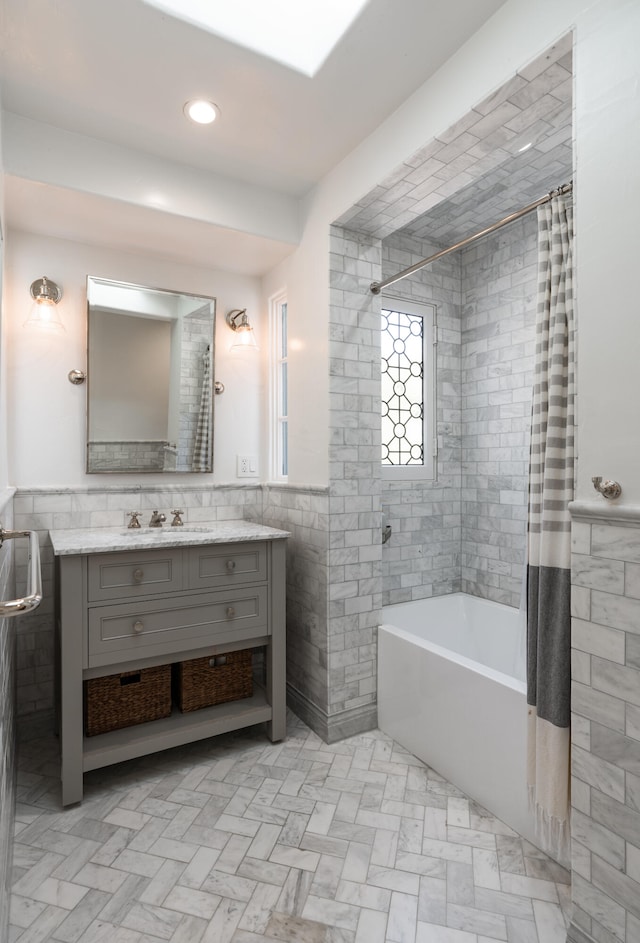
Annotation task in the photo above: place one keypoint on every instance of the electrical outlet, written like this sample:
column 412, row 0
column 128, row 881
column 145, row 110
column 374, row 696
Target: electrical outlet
column 247, row 466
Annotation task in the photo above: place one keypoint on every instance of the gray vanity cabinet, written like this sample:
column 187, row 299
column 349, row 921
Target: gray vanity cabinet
column 130, row 609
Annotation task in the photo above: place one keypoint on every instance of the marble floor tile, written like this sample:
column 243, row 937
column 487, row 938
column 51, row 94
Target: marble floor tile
column 238, row 840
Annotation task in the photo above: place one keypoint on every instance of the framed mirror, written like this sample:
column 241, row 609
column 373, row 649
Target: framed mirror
column 149, row 379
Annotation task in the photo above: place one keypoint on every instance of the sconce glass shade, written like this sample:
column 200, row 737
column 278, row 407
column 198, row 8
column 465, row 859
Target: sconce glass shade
column 44, row 314
column 244, row 339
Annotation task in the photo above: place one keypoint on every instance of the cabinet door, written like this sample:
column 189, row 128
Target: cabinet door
column 124, row 632
column 228, row 565
column 133, row 573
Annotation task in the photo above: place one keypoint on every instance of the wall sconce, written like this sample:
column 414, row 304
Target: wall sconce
column 238, row 322
column 44, row 315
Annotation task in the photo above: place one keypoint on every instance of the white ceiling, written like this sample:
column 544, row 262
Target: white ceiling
column 82, row 217
column 121, row 70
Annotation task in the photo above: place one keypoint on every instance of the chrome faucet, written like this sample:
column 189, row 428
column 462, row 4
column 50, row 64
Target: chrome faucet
column 157, row 520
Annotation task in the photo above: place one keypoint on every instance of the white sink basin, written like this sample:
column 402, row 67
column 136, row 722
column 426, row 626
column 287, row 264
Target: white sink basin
column 169, row 531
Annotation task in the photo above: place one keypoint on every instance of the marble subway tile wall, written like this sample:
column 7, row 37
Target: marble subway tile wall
column 499, row 282
column 7, row 723
column 422, row 558
column 304, row 512
column 355, row 518
column 60, row 509
column 110, row 456
column 466, row 530
column 605, row 721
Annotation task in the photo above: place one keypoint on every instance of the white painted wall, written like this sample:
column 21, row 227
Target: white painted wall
column 132, row 363
column 608, row 242
column 607, row 137
column 77, row 162
column 608, row 246
column 46, row 420
column 4, row 467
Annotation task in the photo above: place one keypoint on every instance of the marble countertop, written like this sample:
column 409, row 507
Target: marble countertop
column 109, row 539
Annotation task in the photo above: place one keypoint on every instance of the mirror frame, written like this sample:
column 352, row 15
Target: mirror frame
column 183, row 426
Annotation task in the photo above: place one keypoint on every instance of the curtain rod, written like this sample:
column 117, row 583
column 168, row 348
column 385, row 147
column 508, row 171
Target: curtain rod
column 377, row 287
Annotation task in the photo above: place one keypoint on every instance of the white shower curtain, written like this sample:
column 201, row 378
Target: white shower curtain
column 551, row 484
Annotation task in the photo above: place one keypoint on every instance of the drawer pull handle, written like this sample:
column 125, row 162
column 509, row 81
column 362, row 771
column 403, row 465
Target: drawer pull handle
column 138, row 626
column 138, row 575
column 230, row 612
column 231, row 565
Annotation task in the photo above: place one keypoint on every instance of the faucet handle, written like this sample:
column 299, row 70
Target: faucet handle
column 177, row 519
column 134, row 522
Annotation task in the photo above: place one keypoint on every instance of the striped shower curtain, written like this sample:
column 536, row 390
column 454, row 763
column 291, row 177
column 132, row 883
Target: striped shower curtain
column 551, row 483
column 202, row 447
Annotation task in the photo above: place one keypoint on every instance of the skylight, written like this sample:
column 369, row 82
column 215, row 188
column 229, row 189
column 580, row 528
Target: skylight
column 297, row 33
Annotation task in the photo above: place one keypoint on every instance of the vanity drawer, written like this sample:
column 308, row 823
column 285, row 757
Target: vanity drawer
column 129, row 630
column 233, row 564
column 114, row 575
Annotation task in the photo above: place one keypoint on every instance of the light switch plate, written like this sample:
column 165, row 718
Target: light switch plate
column 247, row 466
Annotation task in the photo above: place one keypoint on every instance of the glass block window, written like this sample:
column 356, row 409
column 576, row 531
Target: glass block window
column 279, row 388
column 408, row 390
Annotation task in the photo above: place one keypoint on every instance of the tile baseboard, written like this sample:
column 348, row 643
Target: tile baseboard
column 332, row 728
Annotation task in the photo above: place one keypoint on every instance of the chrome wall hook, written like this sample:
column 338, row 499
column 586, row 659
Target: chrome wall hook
column 607, row 488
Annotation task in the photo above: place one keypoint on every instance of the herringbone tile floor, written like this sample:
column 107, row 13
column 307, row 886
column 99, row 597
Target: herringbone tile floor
column 237, row 840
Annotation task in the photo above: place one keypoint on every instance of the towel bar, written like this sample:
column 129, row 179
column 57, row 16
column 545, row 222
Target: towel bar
column 16, row 607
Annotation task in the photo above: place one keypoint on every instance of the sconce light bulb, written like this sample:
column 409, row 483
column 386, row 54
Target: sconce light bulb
column 244, row 336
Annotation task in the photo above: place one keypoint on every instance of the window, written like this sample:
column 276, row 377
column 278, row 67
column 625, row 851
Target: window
column 279, row 390
column 408, row 389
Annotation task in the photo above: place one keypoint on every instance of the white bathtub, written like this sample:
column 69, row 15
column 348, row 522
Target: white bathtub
column 451, row 690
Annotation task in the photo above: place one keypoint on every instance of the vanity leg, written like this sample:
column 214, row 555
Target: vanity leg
column 71, row 664
column 276, row 650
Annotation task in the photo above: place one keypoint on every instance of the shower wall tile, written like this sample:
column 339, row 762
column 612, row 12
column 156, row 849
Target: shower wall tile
column 422, row 558
column 605, row 784
column 354, row 513
column 498, row 278
column 467, row 530
column 7, row 721
column 457, row 177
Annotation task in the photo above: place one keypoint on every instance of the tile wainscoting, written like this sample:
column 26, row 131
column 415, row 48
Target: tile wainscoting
column 605, row 780
column 44, row 509
column 302, row 510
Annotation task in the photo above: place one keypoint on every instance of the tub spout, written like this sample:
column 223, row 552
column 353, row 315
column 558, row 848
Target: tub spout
column 386, row 533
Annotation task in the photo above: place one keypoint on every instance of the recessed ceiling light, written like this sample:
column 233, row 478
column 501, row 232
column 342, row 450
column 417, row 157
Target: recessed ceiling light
column 201, row 111
column 298, row 34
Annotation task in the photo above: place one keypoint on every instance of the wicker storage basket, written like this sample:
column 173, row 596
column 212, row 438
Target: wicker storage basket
column 121, row 700
column 202, row 682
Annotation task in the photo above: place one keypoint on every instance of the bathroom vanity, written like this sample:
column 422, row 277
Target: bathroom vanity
column 130, row 599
